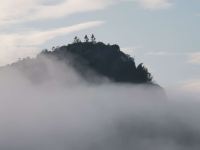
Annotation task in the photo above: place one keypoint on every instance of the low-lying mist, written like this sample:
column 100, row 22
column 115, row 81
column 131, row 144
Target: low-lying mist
column 59, row 110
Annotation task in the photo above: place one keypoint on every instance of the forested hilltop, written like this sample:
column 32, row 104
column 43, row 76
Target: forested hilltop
column 91, row 56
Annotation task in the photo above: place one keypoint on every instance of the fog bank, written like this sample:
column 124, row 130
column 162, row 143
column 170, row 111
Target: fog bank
column 59, row 110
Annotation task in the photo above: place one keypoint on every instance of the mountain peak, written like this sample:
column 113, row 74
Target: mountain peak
column 104, row 59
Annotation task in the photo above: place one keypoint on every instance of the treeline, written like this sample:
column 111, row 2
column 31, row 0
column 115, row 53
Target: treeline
column 86, row 39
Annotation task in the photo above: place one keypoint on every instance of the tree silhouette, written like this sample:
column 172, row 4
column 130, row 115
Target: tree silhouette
column 86, row 38
column 76, row 40
column 102, row 59
column 143, row 74
column 53, row 48
column 93, row 39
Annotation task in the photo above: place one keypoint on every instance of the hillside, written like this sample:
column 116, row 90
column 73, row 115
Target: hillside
column 89, row 58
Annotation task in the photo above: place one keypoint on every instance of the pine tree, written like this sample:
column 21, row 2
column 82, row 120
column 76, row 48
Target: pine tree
column 93, row 39
column 76, row 40
column 86, row 38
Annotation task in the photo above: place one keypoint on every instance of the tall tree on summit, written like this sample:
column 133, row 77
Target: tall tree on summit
column 86, row 38
column 93, row 39
column 76, row 40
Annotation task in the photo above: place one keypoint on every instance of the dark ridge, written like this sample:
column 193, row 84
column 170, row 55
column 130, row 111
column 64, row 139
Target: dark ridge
column 90, row 56
column 105, row 60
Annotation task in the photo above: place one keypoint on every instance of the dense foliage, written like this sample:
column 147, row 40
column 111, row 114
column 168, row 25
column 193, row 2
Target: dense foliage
column 105, row 60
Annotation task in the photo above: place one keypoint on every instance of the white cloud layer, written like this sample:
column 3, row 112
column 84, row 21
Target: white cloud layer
column 19, row 45
column 192, row 86
column 194, row 58
column 26, row 10
column 155, row 4
column 62, row 112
